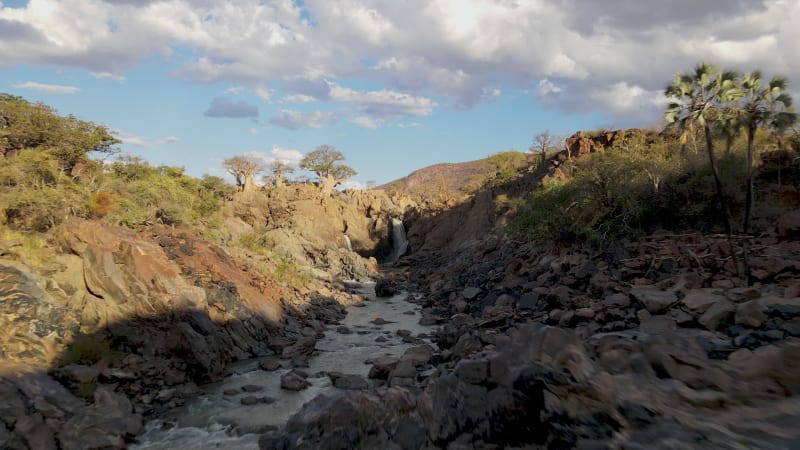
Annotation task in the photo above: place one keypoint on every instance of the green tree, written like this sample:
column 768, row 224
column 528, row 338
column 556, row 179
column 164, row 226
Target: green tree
column 763, row 106
column 29, row 126
column 243, row 168
column 324, row 162
column 698, row 100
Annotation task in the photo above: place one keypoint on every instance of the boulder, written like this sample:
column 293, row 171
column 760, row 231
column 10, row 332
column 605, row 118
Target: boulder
column 472, row 371
column 107, row 423
column 529, row 300
column 418, row 355
column 788, row 224
column 750, row 314
column 719, row 313
column 653, row 299
column 351, row 382
column 384, row 289
column 382, row 367
column 470, row 293
column 294, row 381
column 699, row 300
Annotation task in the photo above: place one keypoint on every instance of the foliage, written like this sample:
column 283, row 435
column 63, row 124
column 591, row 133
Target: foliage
column 506, row 166
column 37, row 127
column 243, row 168
column 324, row 162
column 46, row 176
column 635, row 186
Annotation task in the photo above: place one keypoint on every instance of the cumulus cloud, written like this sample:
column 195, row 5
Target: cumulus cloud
column 108, row 76
column 367, row 122
column 420, row 53
column 289, row 156
column 222, row 107
column 47, row 88
column 296, row 119
column 546, row 87
column 140, row 141
column 383, row 104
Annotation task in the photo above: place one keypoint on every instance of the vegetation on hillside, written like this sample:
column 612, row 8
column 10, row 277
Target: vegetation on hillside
column 640, row 184
column 47, row 174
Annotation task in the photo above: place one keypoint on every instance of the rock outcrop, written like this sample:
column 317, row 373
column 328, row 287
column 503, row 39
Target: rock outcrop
column 116, row 324
column 651, row 343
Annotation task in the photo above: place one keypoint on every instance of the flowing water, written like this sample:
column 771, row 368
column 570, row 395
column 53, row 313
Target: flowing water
column 399, row 241
column 213, row 420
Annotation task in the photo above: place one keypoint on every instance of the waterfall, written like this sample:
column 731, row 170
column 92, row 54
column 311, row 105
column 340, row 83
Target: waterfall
column 347, row 243
column 399, row 241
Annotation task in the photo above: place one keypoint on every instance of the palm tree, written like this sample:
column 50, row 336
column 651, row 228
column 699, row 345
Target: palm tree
column 769, row 106
column 699, row 99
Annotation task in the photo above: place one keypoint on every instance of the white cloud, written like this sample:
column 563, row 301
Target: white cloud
column 296, row 119
column 108, row 76
column 47, row 88
column 131, row 139
column 414, row 51
column 409, row 125
column 546, row 87
column 234, row 90
column 139, row 141
column 278, row 153
column 298, row 98
column 630, row 101
column 367, row 122
column 168, row 140
column 287, row 155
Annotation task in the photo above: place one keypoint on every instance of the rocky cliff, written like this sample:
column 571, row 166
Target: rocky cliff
column 108, row 325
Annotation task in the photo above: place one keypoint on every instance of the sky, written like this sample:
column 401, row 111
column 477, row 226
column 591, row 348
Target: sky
column 395, row 85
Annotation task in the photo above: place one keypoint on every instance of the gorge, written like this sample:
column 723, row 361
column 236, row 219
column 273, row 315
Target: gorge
column 267, row 331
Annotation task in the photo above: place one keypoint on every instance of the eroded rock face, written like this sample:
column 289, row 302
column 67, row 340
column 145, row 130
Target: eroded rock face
column 130, row 322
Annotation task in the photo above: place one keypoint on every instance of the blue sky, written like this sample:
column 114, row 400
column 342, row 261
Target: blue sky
column 395, row 86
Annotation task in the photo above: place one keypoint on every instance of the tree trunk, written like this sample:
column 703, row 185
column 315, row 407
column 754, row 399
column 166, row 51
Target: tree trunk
column 726, row 211
column 327, row 183
column 748, row 207
column 248, row 185
column 712, row 160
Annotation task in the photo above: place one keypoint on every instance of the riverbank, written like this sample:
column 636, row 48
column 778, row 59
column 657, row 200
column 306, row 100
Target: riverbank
column 250, row 400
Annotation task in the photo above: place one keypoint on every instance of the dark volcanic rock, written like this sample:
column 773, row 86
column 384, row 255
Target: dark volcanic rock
column 384, row 289
column 294, row 381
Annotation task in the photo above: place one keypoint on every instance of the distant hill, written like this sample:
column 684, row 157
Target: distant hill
column 448, row 183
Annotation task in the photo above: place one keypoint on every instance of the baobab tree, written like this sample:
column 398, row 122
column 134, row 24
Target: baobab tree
column 324, row 162
column 244, row 168
column 279, row 169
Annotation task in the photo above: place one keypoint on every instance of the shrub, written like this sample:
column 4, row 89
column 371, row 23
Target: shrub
column 101, row 203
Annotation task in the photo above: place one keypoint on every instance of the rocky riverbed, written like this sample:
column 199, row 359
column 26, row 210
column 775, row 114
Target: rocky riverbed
column 651, row 344
column 261, row 394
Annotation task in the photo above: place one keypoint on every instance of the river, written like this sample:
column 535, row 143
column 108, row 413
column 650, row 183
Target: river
column 215, row 420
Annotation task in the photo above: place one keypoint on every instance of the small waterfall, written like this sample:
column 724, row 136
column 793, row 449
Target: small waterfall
column 347, row 243
column 399, row 241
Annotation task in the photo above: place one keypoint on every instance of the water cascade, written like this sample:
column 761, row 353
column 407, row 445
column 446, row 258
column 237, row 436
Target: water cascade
column 347, row 243
column 399, row 241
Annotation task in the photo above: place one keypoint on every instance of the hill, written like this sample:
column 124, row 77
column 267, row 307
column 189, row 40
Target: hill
column 447, row 184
